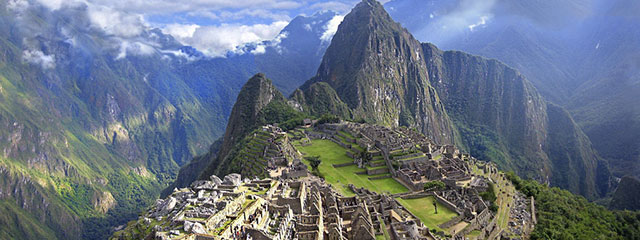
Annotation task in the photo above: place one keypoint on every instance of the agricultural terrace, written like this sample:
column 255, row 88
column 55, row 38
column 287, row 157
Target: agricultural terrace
column 331, row 153
column 424, row 210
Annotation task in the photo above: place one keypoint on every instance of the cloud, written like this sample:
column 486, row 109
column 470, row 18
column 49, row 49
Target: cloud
column 481, row 22
column 216, row 41
column 17, row 5
column 115, row 22
column 260, row 13
column 335, row 6
column 172, row 6
column 134, row 48
column 39, row 58
column 180, row 31
column 231, row 26
column 260, row 49
column 331, row 28
column 467, row 14
column 451, row 20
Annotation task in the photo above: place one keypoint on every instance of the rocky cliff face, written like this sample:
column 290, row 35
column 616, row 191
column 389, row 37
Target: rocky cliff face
column 376, row 68
column 503, row 118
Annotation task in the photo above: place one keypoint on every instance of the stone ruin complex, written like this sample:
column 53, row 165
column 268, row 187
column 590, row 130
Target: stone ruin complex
column 293, row 204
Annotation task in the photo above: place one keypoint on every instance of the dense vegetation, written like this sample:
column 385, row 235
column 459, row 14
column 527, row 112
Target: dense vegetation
column 563, row 215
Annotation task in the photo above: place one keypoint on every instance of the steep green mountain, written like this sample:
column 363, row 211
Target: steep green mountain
column 626, row 196
column 385, row 76
column 258, row 103
column 375, row 67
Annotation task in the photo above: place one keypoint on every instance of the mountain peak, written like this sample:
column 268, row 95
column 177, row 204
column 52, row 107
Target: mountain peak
column 375, row 67
column 257, row 93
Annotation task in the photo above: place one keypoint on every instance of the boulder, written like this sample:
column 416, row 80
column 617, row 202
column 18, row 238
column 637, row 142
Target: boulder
column 233, row 179
column 216, row 180
column 169, row 204
column 194, row 227
column 198, row 228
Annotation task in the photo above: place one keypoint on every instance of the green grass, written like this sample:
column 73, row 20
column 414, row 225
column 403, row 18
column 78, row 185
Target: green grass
column 385, row 234
column 331, row 153
column 474, row 234
column 424, row 210
column 347, row 134
column 353, row 145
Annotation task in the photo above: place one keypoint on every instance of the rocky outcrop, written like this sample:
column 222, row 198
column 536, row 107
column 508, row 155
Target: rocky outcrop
column 103, row 201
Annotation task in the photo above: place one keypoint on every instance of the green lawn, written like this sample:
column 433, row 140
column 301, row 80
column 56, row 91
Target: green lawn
column 331, row 153
column 423, row 209
column 473, row 234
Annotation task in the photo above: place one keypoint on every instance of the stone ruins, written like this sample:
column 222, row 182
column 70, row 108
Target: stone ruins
column 294, row 204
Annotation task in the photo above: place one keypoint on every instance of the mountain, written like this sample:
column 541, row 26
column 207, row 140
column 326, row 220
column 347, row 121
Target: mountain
column 295, row 55
column 374, row 66
column 626, row 196
column 97, row 124
column 385, row 76
column 258, row 103
column 502, row 118
column 579, row 54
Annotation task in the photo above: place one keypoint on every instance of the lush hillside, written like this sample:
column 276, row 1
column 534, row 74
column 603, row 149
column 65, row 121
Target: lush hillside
column 563, row 215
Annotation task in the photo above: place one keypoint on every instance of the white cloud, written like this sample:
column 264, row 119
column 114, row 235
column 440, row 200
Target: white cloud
column 172, row 6
column 216, row 41
column 134, row 48
column 17, row 5
column 331, row 28
column 39, row 58
column 260, row 49
column 336, row 6
column 180, row 31
column 115, row 22
column 481, row 22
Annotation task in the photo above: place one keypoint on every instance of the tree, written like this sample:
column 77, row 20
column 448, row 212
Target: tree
column 435, row 185
column 314, row 161
column 435, row 205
